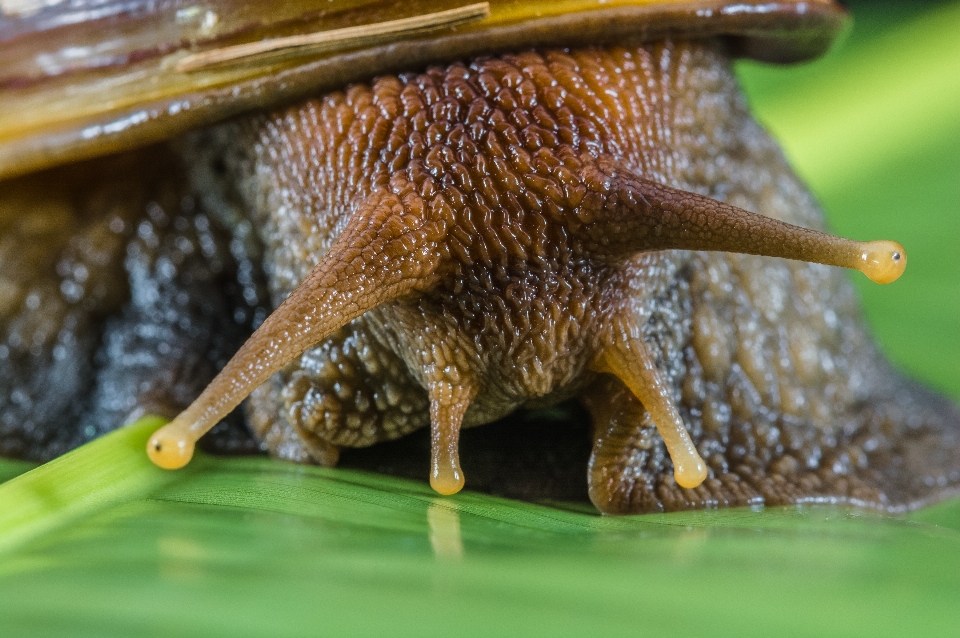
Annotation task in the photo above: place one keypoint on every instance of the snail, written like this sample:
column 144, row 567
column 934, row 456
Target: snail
column 460, row 211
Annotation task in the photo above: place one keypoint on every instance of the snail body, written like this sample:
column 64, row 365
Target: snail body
column 447, row 246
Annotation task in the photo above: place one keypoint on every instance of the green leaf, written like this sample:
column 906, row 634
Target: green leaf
column 254, row 547
column 92, row 477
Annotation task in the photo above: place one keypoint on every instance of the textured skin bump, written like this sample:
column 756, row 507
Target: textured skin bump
column 514, row 162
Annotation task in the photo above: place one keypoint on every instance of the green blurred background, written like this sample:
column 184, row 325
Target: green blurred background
column 102, row 543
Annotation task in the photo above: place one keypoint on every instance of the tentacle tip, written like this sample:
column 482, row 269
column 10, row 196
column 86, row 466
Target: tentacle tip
column 447, row 483
column 169, row 450
column 690, row 474
column 883, row 261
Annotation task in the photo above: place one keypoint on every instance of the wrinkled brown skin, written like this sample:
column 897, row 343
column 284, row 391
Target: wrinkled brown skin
column 506, row 300
column 479, row 166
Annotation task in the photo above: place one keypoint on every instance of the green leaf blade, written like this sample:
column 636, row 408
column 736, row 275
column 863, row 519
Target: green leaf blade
column 254, row 547
column 110, row 470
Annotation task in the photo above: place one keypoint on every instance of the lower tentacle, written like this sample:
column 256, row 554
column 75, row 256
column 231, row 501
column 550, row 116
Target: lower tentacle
column 627, row 357
column 448, row 404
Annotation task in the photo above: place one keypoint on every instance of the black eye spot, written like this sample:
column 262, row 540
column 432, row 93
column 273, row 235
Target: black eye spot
column 158, row 446
column 896, row 256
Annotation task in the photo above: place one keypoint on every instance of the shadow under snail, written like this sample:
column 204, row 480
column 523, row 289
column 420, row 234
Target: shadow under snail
column 555, row 203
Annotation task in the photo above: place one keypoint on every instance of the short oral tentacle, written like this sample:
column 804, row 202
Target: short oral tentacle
column 448, row 404
column 628, row 358
column 635, row 214
column 370, row 263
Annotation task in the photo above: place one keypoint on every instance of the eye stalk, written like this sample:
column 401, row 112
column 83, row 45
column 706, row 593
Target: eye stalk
column 631, row 214
column 377, row 257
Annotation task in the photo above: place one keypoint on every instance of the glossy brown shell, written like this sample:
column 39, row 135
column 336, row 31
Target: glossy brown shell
column 86, row 78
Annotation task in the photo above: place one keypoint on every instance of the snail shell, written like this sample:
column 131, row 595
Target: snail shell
column 454, row 244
